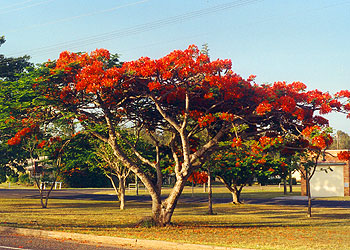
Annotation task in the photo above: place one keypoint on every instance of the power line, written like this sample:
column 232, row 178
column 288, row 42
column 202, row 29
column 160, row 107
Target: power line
column 26, row 7
column 14, row 5
column 156, row 24
column 78, row 16
column 71, row 45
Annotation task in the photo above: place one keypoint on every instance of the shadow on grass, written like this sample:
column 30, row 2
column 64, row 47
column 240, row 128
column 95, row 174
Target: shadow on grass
column 76, row 204
column 256, row 225
column 332, row 216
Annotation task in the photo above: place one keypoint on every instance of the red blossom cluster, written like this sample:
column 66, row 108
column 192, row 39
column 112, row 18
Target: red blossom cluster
column 195, row 114
column 42, row 144
column 265, row 143
column 154, row 86
column 344, row 155
column 263, row 108
column 85, row 72
column 293, row 99
column 206, row 120
column 318, row 138
column 198, row 177
column 345, row 106
column 16, row 140
column 236, row 142
column 183, row 64
column 343, row 93
column 226, row 116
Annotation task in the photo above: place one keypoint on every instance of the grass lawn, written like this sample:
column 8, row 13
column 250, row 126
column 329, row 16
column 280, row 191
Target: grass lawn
column 6, row 185
column 246, row 226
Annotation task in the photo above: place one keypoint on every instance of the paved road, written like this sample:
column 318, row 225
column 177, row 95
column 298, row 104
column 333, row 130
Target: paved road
column 89, row 194
column 11, row 241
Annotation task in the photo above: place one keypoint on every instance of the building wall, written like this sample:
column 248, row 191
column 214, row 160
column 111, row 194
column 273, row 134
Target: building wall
column 327, row 181
column 347, row 179
column 332, row 183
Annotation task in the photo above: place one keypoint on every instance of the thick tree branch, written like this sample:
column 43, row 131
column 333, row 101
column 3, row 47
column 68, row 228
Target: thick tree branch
column 170, row 120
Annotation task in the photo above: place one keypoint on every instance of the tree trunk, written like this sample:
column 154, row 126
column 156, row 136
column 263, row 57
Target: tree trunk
column 44, row 199
column 38, row 185
column 163, row 211
column 210, row 195
column 49, row 192
column 113, row 185
column 121, row 192
column 290, row 182
column 137, row 185
column 192, row 189
column 285, row 186
column 236, row 194
column 307, row 180
column 235, row 198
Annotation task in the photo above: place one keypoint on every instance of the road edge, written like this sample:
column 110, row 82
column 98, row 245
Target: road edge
column 110, row 240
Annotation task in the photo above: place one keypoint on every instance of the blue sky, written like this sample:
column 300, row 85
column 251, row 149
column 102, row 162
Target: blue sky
column 277, row 40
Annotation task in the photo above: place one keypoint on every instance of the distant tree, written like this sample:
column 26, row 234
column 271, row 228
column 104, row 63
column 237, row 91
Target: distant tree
column 79, row 169
column 12, row 67
column 45, row 156
column 341, row 140
column 15, row 96
column 238, row 165
column 314, row 141
column 111, row 167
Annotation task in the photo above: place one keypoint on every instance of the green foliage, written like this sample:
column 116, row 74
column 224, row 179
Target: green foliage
column 16, row 95
column 25, row 179
column 84, row 176
column 7, row 173
column 12, row 67
column 13, row 178
column 240, row 164
column 78, row 169
column 3, row 176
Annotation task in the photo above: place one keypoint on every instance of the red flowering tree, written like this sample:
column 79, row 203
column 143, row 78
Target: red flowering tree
column 45, row 157
column 54, row 147
column 239, row 164
column 183, row 95
column 343, row 97
column 316, row 141
column 296, row 114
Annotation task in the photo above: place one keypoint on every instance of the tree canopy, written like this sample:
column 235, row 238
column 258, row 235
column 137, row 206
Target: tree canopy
column 15, row 95
column 185, row 97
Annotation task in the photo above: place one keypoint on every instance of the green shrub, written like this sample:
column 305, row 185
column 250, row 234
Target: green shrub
column 25, row 179
column 13, row 178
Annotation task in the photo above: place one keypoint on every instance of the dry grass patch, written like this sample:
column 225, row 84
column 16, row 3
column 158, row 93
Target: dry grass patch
column 246, row 226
